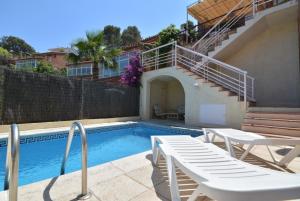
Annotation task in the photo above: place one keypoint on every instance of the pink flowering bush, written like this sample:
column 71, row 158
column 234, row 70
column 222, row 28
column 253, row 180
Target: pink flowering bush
column 133, row 72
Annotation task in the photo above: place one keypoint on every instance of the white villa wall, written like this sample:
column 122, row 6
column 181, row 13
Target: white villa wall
column 175, row 95
column 197, row 100
column 272, row 58
column 158, row 92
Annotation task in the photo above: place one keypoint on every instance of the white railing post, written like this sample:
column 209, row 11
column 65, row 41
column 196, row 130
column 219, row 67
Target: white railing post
column 175, row 53
column 253, row 7
column 156, row 59
column 239, row 95
column 245, row 90
column 252, row 85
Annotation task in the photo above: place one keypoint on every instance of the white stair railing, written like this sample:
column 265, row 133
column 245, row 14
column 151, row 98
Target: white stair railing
column 221, row 30
column 227, row 76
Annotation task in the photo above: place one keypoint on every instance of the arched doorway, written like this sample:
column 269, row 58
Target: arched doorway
column 167, row 98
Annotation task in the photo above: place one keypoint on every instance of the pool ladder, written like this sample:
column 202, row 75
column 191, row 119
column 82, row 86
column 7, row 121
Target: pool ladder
column 84, row 192
column 12, row 161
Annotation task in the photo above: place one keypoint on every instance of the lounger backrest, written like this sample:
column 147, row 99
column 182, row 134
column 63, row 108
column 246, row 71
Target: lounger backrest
column 215, row 164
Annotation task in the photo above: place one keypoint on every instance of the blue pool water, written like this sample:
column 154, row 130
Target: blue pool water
column 41, row 156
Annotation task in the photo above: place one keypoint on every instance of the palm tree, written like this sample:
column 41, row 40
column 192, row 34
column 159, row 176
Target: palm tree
column 92, row 48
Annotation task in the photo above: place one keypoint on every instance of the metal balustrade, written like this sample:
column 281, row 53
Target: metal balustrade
column 84, row 191
column 229, row 77
column 12, row 163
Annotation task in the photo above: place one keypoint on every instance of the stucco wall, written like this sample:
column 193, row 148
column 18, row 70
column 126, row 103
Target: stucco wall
column 197, row 98
column 272, row 58
column 175, row 95
column 168, row 94
column 158, row 91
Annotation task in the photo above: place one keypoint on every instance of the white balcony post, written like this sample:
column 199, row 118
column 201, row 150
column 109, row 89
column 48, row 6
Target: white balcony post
column 239, row 95
column 245, row 90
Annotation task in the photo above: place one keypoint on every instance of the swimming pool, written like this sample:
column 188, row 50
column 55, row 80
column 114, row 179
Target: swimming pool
column 41, row 155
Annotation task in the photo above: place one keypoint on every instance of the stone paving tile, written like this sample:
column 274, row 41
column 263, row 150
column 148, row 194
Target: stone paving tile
column 163, row 190
column 149, row 176
column 59, row 188
column 3, row 196
column 120, row 188
column 132, row 163
column 149, row 195
column 102, row 173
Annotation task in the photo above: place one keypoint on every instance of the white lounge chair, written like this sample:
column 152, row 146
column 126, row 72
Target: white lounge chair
column 220, row 176
column 231, row 136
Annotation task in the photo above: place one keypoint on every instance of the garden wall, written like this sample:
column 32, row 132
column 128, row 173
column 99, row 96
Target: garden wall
column 31, row 97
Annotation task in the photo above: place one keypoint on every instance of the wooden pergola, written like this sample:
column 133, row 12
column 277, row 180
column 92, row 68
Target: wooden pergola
column 208, row 10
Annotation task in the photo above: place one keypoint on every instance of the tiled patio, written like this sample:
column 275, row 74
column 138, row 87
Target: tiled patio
column 129, row 179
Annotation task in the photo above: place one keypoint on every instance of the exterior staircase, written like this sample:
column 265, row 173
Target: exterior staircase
column 273, row 122
column 214, row 86
column 226, row 78
column 225, row 33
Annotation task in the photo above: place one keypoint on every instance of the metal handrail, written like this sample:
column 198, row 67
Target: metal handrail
column 226, row 75
column 220, row 29
column 84, row 191
column 218, row 23
column 12, row 163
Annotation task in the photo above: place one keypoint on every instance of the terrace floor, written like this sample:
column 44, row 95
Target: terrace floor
column 132, row 178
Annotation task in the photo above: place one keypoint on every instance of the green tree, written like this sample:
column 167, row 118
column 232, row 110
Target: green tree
column 112, row 36
column 167, row 35
column 16, row 45
column 5, row 56
column 93, row 48
column 131, row 35
column 44, row 67
column 192, row 33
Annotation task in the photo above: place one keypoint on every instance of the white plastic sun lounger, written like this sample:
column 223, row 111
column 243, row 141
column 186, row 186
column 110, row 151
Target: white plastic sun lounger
column 231, row 136
column 220, row 176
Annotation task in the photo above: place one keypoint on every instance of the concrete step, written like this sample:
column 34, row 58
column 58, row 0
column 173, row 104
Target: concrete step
column 274, row 109
column 189, row 73
column 212, row 84
column 274, row 116
column 271, row 122
column 275, row 130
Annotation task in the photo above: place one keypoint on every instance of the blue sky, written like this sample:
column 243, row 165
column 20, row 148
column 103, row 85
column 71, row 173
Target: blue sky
column 54, row 23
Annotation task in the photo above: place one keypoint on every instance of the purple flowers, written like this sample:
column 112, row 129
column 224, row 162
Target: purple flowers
column 133, row 72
